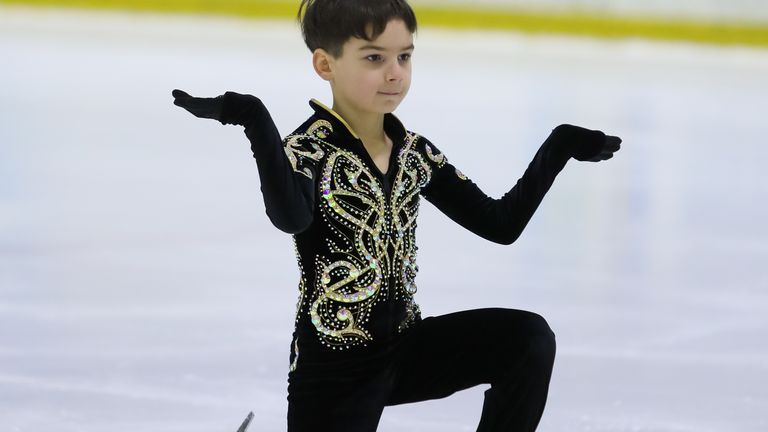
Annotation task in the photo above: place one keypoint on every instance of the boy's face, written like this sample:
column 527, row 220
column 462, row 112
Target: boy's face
column 371, row 76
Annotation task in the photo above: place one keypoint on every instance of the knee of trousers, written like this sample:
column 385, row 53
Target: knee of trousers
column 541, row 343
column 538, row 340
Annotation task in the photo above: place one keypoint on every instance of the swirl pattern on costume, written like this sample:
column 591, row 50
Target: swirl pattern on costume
column 354, row 208
column 414, row 173
column 460, row 175
column 370, row 246
column 439, row 158
column 299, row 147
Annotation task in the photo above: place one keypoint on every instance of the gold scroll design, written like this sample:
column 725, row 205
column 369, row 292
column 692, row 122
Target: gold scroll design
column 353, row 199
column 413, row 174
column 440, row 159
column 301, row 146
column 302, row 288
column 405, row 204
column 299, row 302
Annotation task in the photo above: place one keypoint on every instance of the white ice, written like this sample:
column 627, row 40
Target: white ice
column 142, row 287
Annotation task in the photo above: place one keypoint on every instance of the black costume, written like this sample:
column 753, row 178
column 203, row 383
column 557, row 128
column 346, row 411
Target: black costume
column 354, row 235
column 360, row 342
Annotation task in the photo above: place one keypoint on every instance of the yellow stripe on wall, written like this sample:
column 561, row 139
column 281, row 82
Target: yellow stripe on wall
column 248, row 8
column 751, row 34
column 599, row 25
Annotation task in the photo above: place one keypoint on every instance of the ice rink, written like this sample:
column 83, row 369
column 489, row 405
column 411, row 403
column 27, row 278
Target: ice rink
column 143, row 288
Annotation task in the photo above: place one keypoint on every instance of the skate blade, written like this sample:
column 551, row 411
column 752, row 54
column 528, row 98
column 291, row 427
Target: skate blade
column 246, row 422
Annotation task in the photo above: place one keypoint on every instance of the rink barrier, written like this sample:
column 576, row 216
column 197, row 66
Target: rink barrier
column 456, row 17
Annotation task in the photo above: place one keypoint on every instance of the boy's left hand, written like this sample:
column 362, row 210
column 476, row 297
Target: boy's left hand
column 586, row 144
column 610, row 145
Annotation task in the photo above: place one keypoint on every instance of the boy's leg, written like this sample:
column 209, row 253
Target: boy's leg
column 510, row 349
column 347, row 396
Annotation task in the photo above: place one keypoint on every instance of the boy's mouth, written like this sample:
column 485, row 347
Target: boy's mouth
column 390, row 94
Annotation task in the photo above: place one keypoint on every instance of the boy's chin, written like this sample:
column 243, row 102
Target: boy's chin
column 388, row 106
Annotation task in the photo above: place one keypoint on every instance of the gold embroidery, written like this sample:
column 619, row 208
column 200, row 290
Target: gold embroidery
column 299, row 302
column 413, row 174
column 371, row 254
column 299, row 147
column 335, row 114
column 302, row 287
column 439, row 159
column 354, row 206
column 296, row 357
column 320, row 129
column 460, row 174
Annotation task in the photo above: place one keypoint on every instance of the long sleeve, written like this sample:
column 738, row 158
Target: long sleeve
column 498, row 220
column 287, row 184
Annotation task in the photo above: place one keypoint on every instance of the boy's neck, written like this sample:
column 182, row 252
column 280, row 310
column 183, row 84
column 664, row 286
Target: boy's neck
column 368, row 126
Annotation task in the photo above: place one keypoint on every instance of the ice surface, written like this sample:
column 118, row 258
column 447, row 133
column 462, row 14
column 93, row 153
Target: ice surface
column 142, row 287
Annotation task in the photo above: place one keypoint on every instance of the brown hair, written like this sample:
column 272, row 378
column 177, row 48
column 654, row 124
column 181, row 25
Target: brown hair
column 328, row 24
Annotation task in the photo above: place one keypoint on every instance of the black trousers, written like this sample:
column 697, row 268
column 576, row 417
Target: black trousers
column 512, row 350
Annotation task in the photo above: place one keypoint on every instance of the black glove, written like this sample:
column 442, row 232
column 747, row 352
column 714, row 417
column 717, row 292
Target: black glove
column 586, row 144
column 229, row 108
column 288, row 196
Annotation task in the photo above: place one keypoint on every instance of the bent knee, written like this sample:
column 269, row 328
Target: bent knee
column 526, row 330
column 542, row 341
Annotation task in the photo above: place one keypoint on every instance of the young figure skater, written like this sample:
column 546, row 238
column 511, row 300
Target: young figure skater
column 347, row 184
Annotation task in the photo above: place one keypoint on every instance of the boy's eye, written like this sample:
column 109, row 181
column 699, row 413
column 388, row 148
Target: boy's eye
column 377, row 57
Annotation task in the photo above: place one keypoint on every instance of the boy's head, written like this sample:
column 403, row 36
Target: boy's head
column 362, row 47
column 328, row 24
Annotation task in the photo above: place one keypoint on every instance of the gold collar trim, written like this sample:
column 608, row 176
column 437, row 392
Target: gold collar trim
column 335, row 114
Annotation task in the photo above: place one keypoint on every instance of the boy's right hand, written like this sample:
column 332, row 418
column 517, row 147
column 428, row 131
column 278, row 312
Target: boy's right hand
column 229, row 108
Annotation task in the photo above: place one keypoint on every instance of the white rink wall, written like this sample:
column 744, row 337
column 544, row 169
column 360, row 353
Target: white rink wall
column 717, row 10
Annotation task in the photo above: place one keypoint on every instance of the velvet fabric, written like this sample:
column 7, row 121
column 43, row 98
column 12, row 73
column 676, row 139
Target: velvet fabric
column 512, row 350
column 360, row 342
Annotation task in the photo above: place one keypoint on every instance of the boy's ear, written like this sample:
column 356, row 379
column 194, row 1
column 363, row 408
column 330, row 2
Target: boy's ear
column 321, row 60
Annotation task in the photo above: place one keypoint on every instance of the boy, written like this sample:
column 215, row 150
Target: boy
column 347, row 184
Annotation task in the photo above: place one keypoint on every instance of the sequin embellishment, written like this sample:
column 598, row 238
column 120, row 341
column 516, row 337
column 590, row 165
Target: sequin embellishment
column 439, row 159
column 298, row 147
column 460, row 174
column 347, row 288
column 369, row 236
column 296, row 358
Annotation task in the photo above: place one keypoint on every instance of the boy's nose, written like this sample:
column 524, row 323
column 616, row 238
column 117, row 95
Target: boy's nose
column 395, row 72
